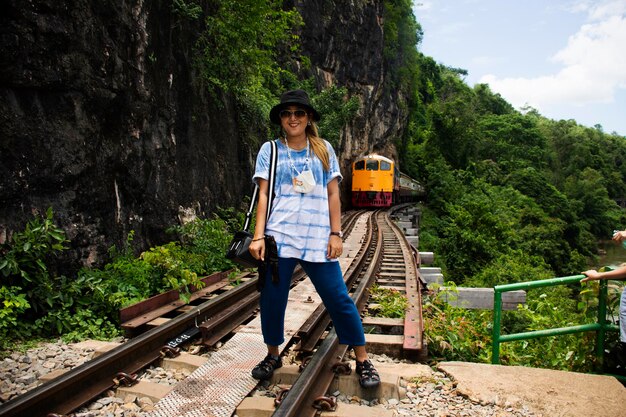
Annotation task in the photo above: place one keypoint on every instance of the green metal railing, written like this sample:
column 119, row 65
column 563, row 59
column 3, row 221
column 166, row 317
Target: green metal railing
column 600, row 327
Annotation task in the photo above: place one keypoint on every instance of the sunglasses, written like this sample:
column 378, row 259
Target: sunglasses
column 286, row 114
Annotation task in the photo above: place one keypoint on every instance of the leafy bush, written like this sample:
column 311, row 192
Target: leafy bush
column 87, row 305
column 23, row 260
column 14, row 303
column 206, row 240
column 455, row 333
column 169, row 261
column 125, row 280
column 391, row 303
column 44, row 304
column 548, row 308
column 77, row 324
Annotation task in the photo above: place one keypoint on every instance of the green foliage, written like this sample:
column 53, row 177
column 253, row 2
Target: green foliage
column 87, row 305
column 489, row 103
column 14, row 303
column 588, row 188
column 44, row 304
column 125, row 280
column 549, row 308
column 512, row 197
column 173, row 265
column 75, row 325
column 23, row 260
column 189, row 10
column 534, row 184
column 455, row 333
column 206, row 240
column 511, row 139
column 514, row 266
column 241, row 44
column 338, row 110
column 391, row 303
column 454, row 122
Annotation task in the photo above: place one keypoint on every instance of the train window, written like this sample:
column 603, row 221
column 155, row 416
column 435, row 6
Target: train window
column 359, row 165
column 372, row 165
column 385, row 166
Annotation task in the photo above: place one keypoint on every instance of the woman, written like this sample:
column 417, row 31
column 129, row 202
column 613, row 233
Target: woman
column 306, row 223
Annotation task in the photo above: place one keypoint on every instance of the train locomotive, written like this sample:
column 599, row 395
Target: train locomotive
column 377, row 182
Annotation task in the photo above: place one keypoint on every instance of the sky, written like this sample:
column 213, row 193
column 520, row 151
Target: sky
column 564, row 58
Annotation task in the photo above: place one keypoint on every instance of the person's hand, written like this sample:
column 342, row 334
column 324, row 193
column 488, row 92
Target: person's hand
column 334, row 248
column 257, row 249
column 592, row 275
column 619, row 236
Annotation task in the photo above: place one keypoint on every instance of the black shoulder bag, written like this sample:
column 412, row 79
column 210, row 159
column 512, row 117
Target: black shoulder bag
column 238, row 249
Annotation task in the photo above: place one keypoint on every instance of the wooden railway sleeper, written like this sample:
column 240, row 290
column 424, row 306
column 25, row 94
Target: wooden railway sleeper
column 127, row 379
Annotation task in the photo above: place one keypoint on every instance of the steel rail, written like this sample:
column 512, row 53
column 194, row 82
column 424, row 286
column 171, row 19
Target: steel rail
column 76, row 387
column 301, row 399
column 413, row 324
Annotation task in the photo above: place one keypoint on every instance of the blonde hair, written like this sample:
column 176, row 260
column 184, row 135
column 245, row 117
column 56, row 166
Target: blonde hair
column 318, row 145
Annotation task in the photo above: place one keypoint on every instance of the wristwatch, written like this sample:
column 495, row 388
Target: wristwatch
column 339, row 233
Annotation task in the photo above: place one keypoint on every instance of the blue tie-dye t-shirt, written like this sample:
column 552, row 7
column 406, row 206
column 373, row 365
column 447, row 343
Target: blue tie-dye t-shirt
column 299, row 222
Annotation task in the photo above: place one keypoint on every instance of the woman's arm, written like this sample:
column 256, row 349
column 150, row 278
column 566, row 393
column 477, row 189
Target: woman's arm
column 335, row 244
column 593, row 275
column 334, row 205
column 257, row 247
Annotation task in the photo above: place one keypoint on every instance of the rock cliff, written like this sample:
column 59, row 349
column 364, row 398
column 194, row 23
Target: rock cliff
column 104, row 118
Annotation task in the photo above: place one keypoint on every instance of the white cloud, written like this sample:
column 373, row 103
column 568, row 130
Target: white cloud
column 593, row 64
column 607, row 9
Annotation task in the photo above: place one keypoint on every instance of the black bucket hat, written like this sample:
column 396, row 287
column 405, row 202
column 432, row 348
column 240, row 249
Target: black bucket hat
column 293, row 98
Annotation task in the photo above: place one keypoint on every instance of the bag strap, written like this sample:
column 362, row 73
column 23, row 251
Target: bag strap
column 273, row 165
column 255, row 193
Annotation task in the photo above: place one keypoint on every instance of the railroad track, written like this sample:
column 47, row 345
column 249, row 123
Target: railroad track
column 389, row 257
column 382, row 253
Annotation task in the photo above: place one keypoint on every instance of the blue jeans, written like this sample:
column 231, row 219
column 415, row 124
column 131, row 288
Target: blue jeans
column 328, row 281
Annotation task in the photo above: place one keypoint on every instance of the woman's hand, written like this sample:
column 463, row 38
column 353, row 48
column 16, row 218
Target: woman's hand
column 335, row 247
column 592, row 275
column 619, row 236
column 257, row 249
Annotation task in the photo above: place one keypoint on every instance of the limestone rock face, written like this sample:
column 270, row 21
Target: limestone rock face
column 104, row 118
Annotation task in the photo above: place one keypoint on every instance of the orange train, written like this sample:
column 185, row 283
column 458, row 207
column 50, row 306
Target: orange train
column 377, row 182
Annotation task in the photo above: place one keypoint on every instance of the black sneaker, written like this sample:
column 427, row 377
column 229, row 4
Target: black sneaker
column 266, row 367
column 368, row 375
